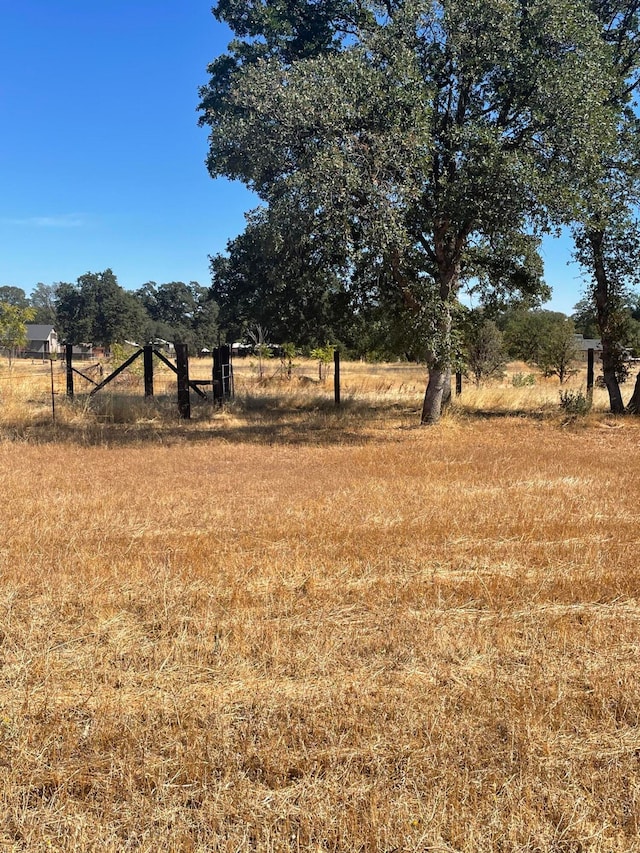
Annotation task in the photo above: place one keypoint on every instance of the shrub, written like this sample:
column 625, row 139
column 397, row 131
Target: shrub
column 574, row 403
column 521, row 380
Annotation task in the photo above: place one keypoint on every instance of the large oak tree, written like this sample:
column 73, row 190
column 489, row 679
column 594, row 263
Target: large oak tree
column 424, row 136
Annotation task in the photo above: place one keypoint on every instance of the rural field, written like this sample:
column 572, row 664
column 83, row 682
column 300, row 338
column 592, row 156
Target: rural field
column 284, row 626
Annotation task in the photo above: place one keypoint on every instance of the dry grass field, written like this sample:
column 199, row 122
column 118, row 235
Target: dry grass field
column 285, row 627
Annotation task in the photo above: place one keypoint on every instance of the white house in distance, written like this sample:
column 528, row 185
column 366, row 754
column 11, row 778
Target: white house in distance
column 42, row 341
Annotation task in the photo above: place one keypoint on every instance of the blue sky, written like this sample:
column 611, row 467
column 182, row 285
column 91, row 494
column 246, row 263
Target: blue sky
column 101, row 158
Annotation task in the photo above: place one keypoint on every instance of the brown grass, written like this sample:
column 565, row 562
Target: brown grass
column 282, row 628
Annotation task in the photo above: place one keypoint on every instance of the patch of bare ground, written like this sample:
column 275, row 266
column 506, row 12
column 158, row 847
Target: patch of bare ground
column 293, row 630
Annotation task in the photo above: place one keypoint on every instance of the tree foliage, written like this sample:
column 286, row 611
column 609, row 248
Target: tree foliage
column 427, row 137
column 13, row 327
column 180, row 313
column 43, row 300
column 484, row 352
column 546, row 339
column 280, row 276
column 97, row 310
column 558, row 353
column 526, row 332
column 10, row 295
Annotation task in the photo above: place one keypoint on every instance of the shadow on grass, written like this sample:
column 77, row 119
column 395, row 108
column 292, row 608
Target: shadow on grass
column 502, row 414
column 129, row 420
column 132, row 421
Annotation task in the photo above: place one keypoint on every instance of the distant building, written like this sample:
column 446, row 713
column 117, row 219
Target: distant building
column 583, row 345
column 164, row 346
column 42, row 341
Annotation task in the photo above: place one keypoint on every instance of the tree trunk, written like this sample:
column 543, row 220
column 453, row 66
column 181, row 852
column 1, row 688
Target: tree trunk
column 634, row 403
column 437, row 395
column 603, row 299
column 446, row 252
column 446, row 396
column 611, row 380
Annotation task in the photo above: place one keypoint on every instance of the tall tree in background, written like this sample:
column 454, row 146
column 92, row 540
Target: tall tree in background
column 415, row 132
column 97, row 310
column 74, row 323
column 278, row 276
column 525, row 332
column 43, row 299
column 558, row 355
column 11, row 295
column 180, row 313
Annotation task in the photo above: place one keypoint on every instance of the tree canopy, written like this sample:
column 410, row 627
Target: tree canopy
column 97, row 309
column 16, row 296
column 181, row 313
column 421, row 140
column 13, row 326
column 279, row 276
column 43, row 299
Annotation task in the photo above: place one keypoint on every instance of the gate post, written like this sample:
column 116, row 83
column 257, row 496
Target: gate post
column 182, row 365
column 590, row 354
column 148, row 370
column 336, row 376
column 222, row 373
column 458, row 383
column 69, row 358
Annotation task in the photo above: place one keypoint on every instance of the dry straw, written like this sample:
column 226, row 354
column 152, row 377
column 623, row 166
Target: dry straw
column 283, row 628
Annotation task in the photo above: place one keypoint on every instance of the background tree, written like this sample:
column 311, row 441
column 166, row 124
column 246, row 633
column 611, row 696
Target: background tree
column 278, row 275
column 13, row 327
column 74, row 322
column 558, row 353
column 205, row 319
column 180, row 313
column 97, row 310
column 10, row 295
column 526, row 332
column 410, row 131
column 43, row 299
column 584, row 318
column 484, row 352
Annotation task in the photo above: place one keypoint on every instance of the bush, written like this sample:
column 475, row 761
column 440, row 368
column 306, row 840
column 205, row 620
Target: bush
column 521, row 380
column 485, row 355
column 574, row 403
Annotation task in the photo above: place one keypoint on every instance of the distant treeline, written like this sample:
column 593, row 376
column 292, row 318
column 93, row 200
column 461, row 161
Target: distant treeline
column 97, row 309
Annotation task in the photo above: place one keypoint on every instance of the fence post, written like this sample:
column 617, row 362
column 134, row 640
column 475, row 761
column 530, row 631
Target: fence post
column 148, row 370
column 69, row 359
column 590, row 354
column 458, row 383
column 336, row 376
column 53, row 393
column 182, row 365
column 222, row 373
